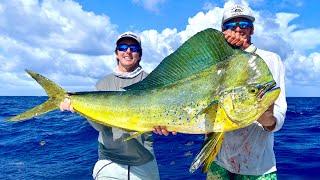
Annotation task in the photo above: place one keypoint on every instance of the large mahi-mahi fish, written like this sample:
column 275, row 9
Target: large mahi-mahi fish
column 205, row 86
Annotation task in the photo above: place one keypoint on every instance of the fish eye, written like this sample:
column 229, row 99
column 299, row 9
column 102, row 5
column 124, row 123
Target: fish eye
column 253, row 90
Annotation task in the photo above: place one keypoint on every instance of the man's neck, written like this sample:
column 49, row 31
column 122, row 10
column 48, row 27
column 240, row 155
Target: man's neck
column 126, row 69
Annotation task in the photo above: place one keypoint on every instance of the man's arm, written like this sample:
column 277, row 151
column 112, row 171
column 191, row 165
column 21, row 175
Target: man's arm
column 273, row 118
column 267, row 120
column 280, row 105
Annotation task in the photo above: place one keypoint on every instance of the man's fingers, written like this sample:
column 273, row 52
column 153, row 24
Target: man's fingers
column 154, row 131
column 157, row 130
column 227, row 34
column 165, row 132
column 231, row 40
column 162, row 130
column 235, row 41
column 71, row 108
column 66, row 105
column 240, row 41
column 61, row 106
column 234, row 38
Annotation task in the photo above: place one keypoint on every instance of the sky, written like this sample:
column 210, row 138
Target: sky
column 72, row 41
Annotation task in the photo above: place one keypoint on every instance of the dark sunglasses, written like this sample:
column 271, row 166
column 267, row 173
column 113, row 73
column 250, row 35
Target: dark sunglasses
column 234, row 25
column 133, row 47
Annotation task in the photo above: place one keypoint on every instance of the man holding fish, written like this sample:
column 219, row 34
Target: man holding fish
column 119, row 159
column 204, row 86
column 247, row 153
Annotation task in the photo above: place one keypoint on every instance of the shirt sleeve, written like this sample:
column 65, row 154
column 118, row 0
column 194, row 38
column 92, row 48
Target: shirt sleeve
column 100, row 86
column 280, row 105
column 96, row 126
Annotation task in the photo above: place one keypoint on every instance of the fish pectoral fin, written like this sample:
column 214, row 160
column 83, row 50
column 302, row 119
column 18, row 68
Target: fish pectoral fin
column 208, row 152
column 213, row 154
column 134, row 135
column 212, row 105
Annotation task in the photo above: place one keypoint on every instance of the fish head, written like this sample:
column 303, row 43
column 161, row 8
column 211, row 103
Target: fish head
column 245, row 104
column 246, row 89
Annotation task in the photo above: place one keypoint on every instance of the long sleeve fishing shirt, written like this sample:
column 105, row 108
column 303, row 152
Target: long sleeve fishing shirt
column 136, row 151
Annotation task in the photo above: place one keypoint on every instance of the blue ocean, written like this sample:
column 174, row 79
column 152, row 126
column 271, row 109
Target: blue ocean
column 62, row 145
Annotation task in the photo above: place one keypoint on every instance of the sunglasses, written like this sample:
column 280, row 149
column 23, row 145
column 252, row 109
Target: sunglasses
column 234, row 25
column 133, row 47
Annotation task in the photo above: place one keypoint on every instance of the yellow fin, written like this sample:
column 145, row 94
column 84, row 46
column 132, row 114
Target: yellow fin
column 213, row 154
column 134, row 135
column 55, row 93
column 212, row 144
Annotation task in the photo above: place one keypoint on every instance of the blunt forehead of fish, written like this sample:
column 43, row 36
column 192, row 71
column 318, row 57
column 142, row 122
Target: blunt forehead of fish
column 244, row 68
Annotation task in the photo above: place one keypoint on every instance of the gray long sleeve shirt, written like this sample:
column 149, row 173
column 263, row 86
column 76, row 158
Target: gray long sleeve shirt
column 136, row 151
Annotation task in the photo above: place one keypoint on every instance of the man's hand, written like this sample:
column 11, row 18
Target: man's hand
column 236, row 39
column 267, row 120
column 66, row 105
column 162, row 130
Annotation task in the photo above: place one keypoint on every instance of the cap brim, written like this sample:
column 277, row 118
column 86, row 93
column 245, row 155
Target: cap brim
column 127, row 37
column 239, row 16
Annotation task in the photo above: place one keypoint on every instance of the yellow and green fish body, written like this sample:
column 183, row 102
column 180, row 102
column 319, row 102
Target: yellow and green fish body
column 204, row 86
column 183, row 106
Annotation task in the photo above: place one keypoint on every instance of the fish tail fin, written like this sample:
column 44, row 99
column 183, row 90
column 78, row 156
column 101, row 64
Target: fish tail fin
column 55, row 93
column 208, row 152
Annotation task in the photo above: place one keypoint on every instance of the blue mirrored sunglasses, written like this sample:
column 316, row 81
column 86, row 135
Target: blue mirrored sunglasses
column 234, row 25
column 133, row 47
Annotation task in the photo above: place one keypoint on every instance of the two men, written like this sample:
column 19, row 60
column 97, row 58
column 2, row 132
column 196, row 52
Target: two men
column 245, row 153
column 248, row 153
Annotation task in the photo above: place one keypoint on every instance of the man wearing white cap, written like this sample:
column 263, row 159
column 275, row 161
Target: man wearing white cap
column 248, row 153
column 133, row 159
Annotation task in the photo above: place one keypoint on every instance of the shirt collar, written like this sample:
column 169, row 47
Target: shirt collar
column 127, row 75
column 251, row 49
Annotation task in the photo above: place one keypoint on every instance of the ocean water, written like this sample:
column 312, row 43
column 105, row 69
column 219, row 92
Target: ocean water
column 62, row 145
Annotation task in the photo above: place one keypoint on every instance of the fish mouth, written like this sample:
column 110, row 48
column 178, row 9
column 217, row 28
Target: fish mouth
column 266, row 88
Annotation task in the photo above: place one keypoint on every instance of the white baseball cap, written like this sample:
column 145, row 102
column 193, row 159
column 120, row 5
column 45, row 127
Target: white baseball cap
column 129, row 35
column 237, row 11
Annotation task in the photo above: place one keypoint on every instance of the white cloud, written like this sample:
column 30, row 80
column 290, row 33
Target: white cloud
column 57, row 24
column 151, row 5
column 305, row 39
column 158, row 45
column 303, row 69
column 201, row 21
column 296, row 45
column 53, row 36
column 75, row 48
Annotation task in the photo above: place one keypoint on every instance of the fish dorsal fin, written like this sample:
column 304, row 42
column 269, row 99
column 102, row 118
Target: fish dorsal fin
column 198, row 53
